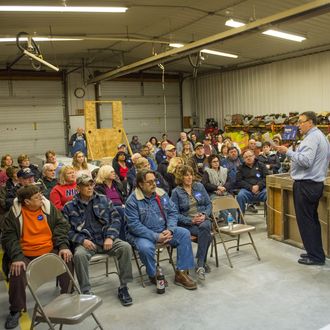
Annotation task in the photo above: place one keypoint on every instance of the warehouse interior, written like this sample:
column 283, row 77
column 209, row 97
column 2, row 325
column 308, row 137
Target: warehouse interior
column 174, row 65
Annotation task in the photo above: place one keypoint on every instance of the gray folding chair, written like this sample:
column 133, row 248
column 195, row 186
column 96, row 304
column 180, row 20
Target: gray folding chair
column 104, row 259
column 65, row 308
column 222, row 203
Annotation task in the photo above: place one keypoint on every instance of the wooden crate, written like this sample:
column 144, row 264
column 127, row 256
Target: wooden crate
column 281, row 216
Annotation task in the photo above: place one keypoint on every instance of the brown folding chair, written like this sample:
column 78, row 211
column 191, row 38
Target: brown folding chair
column 104, row 258
column 67, row 308
column 222, row 203
column 159, row 249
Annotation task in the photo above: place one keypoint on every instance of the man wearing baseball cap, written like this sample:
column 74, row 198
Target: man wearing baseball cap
column 95, row 227
column 25, row 177
column 170, row 152
column 198, row 161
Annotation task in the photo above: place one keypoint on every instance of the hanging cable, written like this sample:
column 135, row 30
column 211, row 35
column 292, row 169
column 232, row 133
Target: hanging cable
column 161, row 66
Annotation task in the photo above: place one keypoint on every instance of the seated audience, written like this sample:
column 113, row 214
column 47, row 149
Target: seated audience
column 121, row 165
column 154, row 146
column 48, row 180
column 193, row 139
column 199, row 161
column 161, row 153
column 32, row 228
column 95, row 227
column 109, row 185
column 50, row 156
column 141, row 164
column 194, row 206
column 219, row 143
column 187, row 151
column 6, row 162
column 145, row 152
column 251, row 179
column 20, row 178
column 152, row 218
column 65, row 188
column 208, row 148
column 223, row 152
column 229, row 143
column 80, row 165
column 78, row 142
column 170, row 153
column 215, row 177
column 24, row 162
column 179, row 144
column 269, row 158
column 231, row 163
column 135, row 144
column 174, row 163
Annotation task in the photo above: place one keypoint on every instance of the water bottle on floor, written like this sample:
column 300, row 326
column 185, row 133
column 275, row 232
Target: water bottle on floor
column 230, row 221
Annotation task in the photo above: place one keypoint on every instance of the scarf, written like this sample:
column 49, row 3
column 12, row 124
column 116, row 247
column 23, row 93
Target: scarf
column 217, row 178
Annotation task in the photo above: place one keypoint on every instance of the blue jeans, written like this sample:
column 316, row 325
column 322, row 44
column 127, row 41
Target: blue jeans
column 181, row 240
column 203, row 233
column 245, row 196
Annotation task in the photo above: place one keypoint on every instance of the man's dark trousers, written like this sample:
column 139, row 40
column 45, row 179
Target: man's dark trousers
column 306, row 196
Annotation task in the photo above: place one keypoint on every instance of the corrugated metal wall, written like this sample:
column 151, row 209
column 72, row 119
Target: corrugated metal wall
column 143, row 107
column 31, row 117
column 298, row 84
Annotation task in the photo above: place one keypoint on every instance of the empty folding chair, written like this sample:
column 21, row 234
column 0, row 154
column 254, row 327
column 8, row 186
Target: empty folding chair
column 68, row 308
column 222, row 203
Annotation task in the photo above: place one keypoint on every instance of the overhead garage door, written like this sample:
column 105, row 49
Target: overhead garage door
column 31, row 117
column 143, row 108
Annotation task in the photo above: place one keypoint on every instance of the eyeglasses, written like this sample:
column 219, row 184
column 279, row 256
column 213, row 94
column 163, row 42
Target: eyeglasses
column 248, row 156
column 215, row 161
column 150, row 182
column 302, row 121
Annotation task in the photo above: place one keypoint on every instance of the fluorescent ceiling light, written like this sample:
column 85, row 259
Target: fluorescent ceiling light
column 234, row 24
column 39, row 39
column 284, row 35
column 214, row 52
column 62, row 9
column 176, row 45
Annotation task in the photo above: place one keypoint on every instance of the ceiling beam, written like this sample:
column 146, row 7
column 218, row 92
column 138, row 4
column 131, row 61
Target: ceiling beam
column 313, row 8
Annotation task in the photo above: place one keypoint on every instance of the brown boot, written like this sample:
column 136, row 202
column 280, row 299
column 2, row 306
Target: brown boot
column 182, row 278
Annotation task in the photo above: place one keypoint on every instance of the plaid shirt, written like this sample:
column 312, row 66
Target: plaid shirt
column 105, row 221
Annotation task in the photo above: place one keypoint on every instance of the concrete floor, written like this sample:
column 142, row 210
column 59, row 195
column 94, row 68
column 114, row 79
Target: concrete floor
column 274, row 293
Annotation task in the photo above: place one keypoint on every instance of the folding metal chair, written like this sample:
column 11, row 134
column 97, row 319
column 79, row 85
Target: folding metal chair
column 159, row 249
column 65, row 308
column 222, row 203
column 104, row 258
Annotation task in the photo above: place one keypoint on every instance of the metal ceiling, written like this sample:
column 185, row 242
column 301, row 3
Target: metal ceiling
column 183, row 21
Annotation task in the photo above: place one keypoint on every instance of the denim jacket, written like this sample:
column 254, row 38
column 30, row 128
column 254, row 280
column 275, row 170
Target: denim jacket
column 144, row 217
column 181, row 199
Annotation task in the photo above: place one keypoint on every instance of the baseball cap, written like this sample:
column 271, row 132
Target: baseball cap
column 169, row 147
column 198, row 144
column 25, row 173
column 84, row 179
column 121, row 145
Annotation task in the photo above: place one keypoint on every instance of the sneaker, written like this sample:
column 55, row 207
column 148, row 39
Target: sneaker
column 124, row 297
column 12, row 320
column 252, row 208
column 183, row 279
column 200, row 271
column 207, row 268
column 153, row 280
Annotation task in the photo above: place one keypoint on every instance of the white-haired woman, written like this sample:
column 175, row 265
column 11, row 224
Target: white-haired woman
column 107, row 184
column 48, row 180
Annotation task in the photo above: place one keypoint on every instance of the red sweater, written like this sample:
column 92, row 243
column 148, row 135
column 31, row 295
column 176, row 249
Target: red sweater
column 61, row 194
